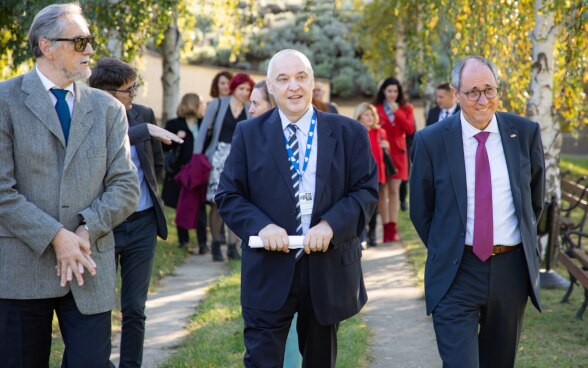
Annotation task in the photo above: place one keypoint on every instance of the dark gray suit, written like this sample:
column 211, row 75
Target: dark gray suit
column 438, row 210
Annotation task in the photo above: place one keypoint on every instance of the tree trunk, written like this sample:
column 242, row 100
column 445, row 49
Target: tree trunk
column 170, row 79
column 540, row 103
column 114, row 45
column 400, row 57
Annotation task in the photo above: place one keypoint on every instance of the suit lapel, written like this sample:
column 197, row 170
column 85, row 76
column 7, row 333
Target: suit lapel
column 510, row 145
column 455, row 160
column 39, row 102
column 324, row 158
column 274, row 137
column 81, row 122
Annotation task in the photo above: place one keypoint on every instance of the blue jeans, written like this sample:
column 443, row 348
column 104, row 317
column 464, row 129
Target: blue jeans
column 134, row 249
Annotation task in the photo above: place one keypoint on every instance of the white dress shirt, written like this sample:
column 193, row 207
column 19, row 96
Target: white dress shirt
column 308, row 182
column 48, row 84
column 506, row 227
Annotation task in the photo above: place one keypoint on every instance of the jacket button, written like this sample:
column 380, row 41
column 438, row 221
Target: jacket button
column 455, row 261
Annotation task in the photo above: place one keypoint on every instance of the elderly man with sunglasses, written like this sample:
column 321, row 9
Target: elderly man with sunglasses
column 66, row 180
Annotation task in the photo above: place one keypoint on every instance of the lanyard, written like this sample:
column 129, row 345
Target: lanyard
column 291, row 157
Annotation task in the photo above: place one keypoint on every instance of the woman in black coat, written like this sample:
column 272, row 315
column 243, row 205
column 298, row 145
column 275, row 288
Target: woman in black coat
column 186, row 126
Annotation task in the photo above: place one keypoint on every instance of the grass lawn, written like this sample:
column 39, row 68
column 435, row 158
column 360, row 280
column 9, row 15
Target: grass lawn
column 549, row 339
column 216, row 331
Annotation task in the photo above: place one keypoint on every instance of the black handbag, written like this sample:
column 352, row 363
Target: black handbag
column 388, row 164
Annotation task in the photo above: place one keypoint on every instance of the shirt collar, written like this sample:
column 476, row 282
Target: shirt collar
column 451, row 110
column 48, row 84
column 469, row 131
column 303, row 123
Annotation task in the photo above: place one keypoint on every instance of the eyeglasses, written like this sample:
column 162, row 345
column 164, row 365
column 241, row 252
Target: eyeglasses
column 474, row 95
column 80, row 43
column 130, row 91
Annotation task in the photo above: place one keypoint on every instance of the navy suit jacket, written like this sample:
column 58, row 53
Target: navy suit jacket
column 256, row 190
column 434, row 112
column 438, row 196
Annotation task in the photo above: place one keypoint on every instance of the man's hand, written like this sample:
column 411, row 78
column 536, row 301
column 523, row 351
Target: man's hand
column 163, row 135
column 73, row 255
column 274, row 238
column 318, row 238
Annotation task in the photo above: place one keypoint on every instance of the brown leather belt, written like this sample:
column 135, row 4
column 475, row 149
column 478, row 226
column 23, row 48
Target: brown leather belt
column 497, row 249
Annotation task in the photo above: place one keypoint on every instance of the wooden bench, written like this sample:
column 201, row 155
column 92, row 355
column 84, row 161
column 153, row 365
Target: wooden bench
column 574, row 238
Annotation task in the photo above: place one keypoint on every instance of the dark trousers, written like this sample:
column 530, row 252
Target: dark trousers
column 491, row 295
column 25, row 334
column 266, row 332
column 184, row 235
column 135, row 248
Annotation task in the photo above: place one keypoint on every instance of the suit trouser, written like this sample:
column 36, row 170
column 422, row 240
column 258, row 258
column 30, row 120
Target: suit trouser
column 135, row 248
column 266, row 332
column 25, row 334
column 491, row 295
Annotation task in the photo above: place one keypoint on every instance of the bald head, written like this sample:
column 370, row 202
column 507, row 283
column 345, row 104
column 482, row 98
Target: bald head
column 287, row 54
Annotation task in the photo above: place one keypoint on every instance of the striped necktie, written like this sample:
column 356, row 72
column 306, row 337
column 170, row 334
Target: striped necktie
column 293, row 144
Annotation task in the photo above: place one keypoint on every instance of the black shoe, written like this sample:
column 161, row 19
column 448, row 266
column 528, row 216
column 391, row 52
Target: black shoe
column 403, row 206
column 217, row 255
column 372, row 243
column 182, row 245
column 232, row 252
column 204, row 249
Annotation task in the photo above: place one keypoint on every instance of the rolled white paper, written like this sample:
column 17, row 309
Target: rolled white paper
column 294, row 242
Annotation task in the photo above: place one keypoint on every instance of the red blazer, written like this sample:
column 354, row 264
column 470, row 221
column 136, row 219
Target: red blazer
column 376, row 135
column 396, row 132
column 193, row 180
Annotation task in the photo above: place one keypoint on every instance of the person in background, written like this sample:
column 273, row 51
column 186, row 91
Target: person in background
column 220, row 86
column 136, row 237
column 446, row 104
column 367, row 114
column 222, row 116
column 66, row 180
column 267, row 190
column 186, row 125
column 261, row 101
column 397, row 119
column 477, row 189
column 318, row 94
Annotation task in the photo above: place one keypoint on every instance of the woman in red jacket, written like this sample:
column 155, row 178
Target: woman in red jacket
column 397, row 119
column 366, row 114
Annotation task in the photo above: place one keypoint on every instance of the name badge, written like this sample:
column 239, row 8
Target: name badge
column 305, row 203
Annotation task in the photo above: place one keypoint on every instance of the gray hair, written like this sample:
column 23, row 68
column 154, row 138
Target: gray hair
column 50, row 23
column 457, row 69
column 286, row 52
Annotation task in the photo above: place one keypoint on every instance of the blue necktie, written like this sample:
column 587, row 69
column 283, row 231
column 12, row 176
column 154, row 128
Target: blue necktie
column 62, row 110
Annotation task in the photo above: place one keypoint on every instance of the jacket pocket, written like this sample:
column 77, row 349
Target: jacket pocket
column 105, row 243
column 351, row 252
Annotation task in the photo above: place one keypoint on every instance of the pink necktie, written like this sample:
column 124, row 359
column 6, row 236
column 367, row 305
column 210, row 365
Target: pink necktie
column 483, row 222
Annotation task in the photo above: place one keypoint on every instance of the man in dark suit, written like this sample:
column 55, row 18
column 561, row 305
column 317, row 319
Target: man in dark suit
column 66, row 179
column 477, row 190
column 446, row 104
column 136, row 237
column 326, row 190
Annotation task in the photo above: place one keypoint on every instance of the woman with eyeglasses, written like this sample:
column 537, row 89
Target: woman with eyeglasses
column 397, row 119
column 222, row 116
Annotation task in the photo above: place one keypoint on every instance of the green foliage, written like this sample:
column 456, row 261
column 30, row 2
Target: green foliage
column 132, row 23
column 439, row 32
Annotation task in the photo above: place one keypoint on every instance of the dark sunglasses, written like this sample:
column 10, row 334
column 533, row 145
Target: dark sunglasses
column 80, row 43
